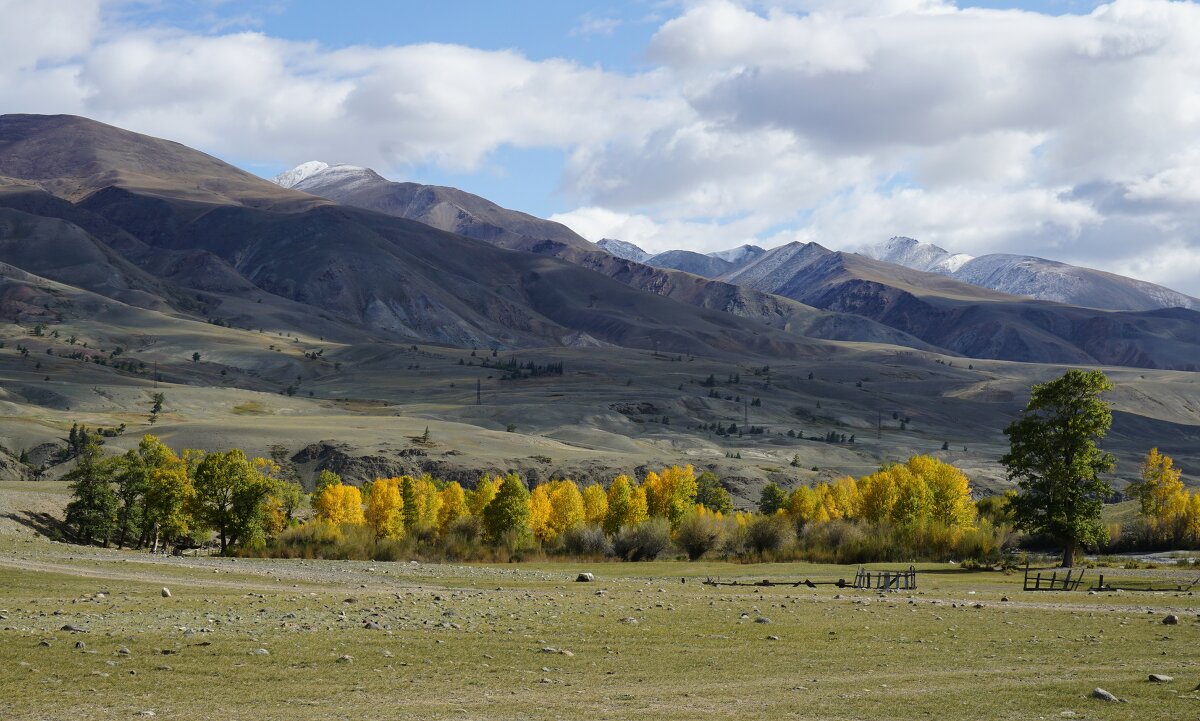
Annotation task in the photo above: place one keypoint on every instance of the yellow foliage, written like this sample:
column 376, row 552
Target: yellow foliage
column 338, row 503
column 949, row 490
column 539, row 513
column 1163, row 498
column 453, row 505
column 638, row 507
column 595, row 505
column 553, row 508
column 384, row 512
column 483, row 494
column 671, row 493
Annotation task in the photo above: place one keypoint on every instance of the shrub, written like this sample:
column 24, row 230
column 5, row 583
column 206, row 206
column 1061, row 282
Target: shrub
column 699, row 533
column 464, row 538
column 769, row 534
column 643, row 542
column 588, row 541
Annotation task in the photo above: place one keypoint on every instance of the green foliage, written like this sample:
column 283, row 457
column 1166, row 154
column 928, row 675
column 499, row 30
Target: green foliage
column 92, row 512
column 712, row 495
column 508, row 512
column 643, row 542
column 229, row 496
column 1056, row 462
column 699, row 533
column 772, row 499
column 326, row 478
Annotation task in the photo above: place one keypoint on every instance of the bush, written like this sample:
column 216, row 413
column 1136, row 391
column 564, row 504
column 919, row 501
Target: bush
column 769, row 534
column 699, row 533
column 588, row 541
column 643, row 542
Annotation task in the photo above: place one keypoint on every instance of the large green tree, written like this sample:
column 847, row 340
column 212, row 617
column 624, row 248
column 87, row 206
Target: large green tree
column 1056, row 462
column 92, row 512
column 229, row 495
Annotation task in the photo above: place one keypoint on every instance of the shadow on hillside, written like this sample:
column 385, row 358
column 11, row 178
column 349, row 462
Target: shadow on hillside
column 43, row 523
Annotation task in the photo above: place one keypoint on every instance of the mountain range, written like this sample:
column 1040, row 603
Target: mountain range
column 916, row 293
column 342, row 313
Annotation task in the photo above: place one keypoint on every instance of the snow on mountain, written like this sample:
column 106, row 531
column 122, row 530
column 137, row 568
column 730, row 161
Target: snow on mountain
column 740, row 255
column 314, row 174
column 914, row 254
column 1032, row 277
column 290, row 178
column 623, row 249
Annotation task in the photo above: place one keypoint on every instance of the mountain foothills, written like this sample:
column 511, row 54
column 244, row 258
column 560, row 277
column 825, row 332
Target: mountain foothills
column 349, row 323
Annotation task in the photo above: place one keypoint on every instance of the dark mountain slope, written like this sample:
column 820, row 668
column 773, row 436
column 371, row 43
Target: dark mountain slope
column 462, row 213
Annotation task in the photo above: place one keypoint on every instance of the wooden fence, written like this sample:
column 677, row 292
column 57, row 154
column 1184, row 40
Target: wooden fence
column 1036, row 580
column 886, row 580
column 863, row 580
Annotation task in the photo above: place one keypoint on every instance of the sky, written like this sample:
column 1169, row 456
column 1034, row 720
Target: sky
column 1065, row 129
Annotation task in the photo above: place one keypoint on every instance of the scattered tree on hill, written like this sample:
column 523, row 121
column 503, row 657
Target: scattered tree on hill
column 1056, row 462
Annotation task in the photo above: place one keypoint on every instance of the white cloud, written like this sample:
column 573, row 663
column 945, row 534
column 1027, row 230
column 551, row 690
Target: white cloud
column 841, row 121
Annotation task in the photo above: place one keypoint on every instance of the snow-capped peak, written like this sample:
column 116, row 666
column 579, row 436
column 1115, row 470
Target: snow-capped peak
column 291, row 178
column 739, row 255
column 914, row 254
column 623, row 249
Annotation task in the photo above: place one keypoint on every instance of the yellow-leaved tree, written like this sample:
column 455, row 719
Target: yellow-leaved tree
column 384, row 508
column 1163, row 498
column 453, row 505
column 626, row 505
column 949, row 492
column 671, row 493
column 595, row 505
column 339, row 503
column 484, row 492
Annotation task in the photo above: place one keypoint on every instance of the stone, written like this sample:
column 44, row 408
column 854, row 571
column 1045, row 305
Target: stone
column 73, row 629
column 260, row 652
column 629, row 620
column 122, row 651
column 1160, row 678
column 80, row 645
column 345, row 658
column 762, row 619
column 166, row 592
column 1170, row 620
column 585, row 578
column 373, row 626
column 1099, row 693
column 772, row 638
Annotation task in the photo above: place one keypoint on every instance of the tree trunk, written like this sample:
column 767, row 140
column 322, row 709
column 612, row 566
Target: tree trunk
column 1069, row 549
